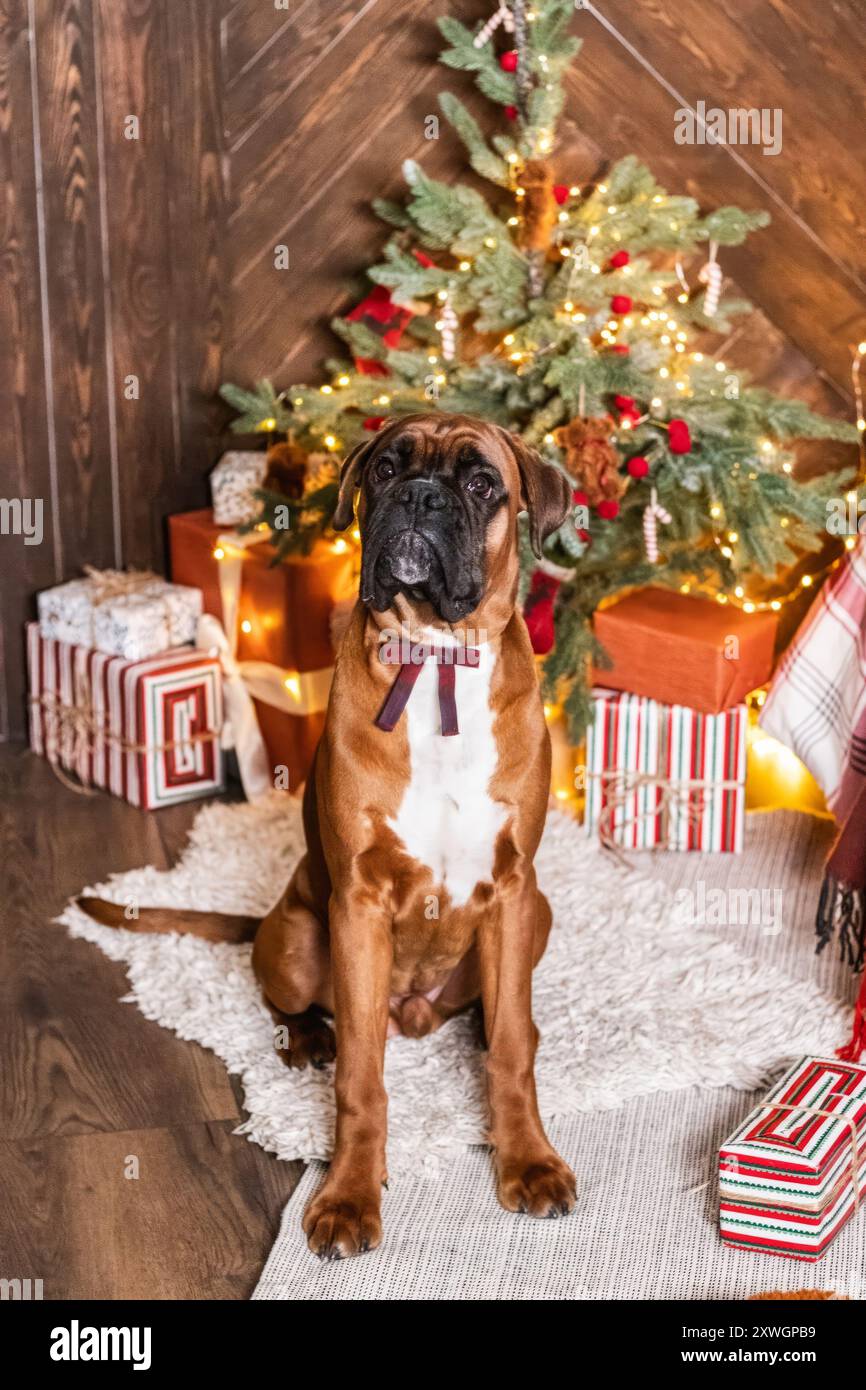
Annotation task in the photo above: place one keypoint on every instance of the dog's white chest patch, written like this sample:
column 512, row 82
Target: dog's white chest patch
column 447, row 819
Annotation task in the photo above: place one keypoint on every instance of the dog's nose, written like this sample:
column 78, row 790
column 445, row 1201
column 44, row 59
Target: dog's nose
column 421, row 492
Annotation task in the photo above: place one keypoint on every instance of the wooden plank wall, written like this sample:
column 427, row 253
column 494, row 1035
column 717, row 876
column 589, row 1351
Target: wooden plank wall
column 267, row 123
column 113, row 286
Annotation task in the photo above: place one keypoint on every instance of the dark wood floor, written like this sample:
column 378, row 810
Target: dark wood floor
column 86, row 1082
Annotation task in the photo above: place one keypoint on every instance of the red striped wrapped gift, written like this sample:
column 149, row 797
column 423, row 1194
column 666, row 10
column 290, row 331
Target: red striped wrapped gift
column 665, row 775
column 148, row 731
column 792, row 1175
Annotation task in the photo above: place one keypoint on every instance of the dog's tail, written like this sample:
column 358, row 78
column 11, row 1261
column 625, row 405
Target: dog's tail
column 209, row 926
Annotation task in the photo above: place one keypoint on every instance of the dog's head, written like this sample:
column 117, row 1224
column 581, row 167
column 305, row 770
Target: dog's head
column 439, row 498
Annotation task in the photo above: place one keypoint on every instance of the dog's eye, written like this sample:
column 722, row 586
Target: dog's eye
column 480, row 485
column 385, row 469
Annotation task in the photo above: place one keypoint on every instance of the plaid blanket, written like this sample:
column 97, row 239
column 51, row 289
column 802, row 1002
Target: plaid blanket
column 817, row 708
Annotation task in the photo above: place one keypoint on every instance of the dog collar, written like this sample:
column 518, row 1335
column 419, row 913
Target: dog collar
column 447, row 660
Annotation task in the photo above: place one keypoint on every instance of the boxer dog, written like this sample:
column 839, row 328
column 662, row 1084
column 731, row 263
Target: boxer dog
column 423, row 813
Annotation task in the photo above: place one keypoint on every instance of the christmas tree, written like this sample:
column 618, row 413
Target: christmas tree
column 570, row 316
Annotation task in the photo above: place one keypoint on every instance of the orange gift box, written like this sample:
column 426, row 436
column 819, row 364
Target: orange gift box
column 283, row 617
column 684, row 651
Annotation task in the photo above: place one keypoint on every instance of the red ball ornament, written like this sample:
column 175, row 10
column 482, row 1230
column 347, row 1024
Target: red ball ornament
column 508, row 61
column 624, row 402
column 637, row 467
column 622, row 349
column 621, row 303
column 619, row 259
column 511, row 113
column 679, row 437
column 608, row 508
column 629, row 418
column 561, row 193
column 374, row 422
column 584, row 536
column 579, row 498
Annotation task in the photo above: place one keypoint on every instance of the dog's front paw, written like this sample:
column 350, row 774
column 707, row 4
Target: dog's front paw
column 339, row 1224
column 540, row 1187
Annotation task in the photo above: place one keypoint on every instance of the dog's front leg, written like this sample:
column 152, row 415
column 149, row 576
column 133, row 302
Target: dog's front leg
column 343, row 1217
column 531, row 1175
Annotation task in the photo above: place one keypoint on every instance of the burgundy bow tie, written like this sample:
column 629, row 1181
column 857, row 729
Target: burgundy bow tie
column 447, row 659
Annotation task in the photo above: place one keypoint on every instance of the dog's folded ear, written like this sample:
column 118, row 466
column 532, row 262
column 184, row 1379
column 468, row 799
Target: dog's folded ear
column 344, row 511
column 546, row 492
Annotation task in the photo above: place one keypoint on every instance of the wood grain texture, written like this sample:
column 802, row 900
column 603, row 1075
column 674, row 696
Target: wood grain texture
column 804, row 61
column 74, row 1059
column 74, row 290
column 794, row 270
column 197, row 214
column 88, row 1082
column 26, row 431
column 326, row 145
column 196, row 1223
column 133, row 101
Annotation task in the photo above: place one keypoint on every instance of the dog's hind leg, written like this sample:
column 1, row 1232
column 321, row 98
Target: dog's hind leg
column 291, row 960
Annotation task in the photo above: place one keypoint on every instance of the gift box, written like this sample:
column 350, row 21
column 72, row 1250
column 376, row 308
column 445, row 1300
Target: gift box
column 665, row 775
column 789, row 1177
column 283, row 618
column 284, row 609
column 130, row 615
column 148, row 731
column 683, row 650
column 233, row 483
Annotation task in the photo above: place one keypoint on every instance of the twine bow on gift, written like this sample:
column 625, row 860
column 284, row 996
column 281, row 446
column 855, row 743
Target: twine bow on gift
column 110, row 584
column 830, row 1115
column 73, row 731
column 679, row 803
column 773, row 1201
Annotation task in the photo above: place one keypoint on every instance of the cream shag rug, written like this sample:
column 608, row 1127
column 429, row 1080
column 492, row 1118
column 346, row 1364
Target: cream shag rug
column 629, row 1000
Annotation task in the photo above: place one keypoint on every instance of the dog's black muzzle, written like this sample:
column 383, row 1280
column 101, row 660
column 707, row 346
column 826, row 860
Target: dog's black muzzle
column 418, row 541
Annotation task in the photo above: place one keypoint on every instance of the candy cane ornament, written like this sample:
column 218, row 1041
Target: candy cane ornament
column 447, row 325
column 711, row 276
column 654, row 513
column 502, row 16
